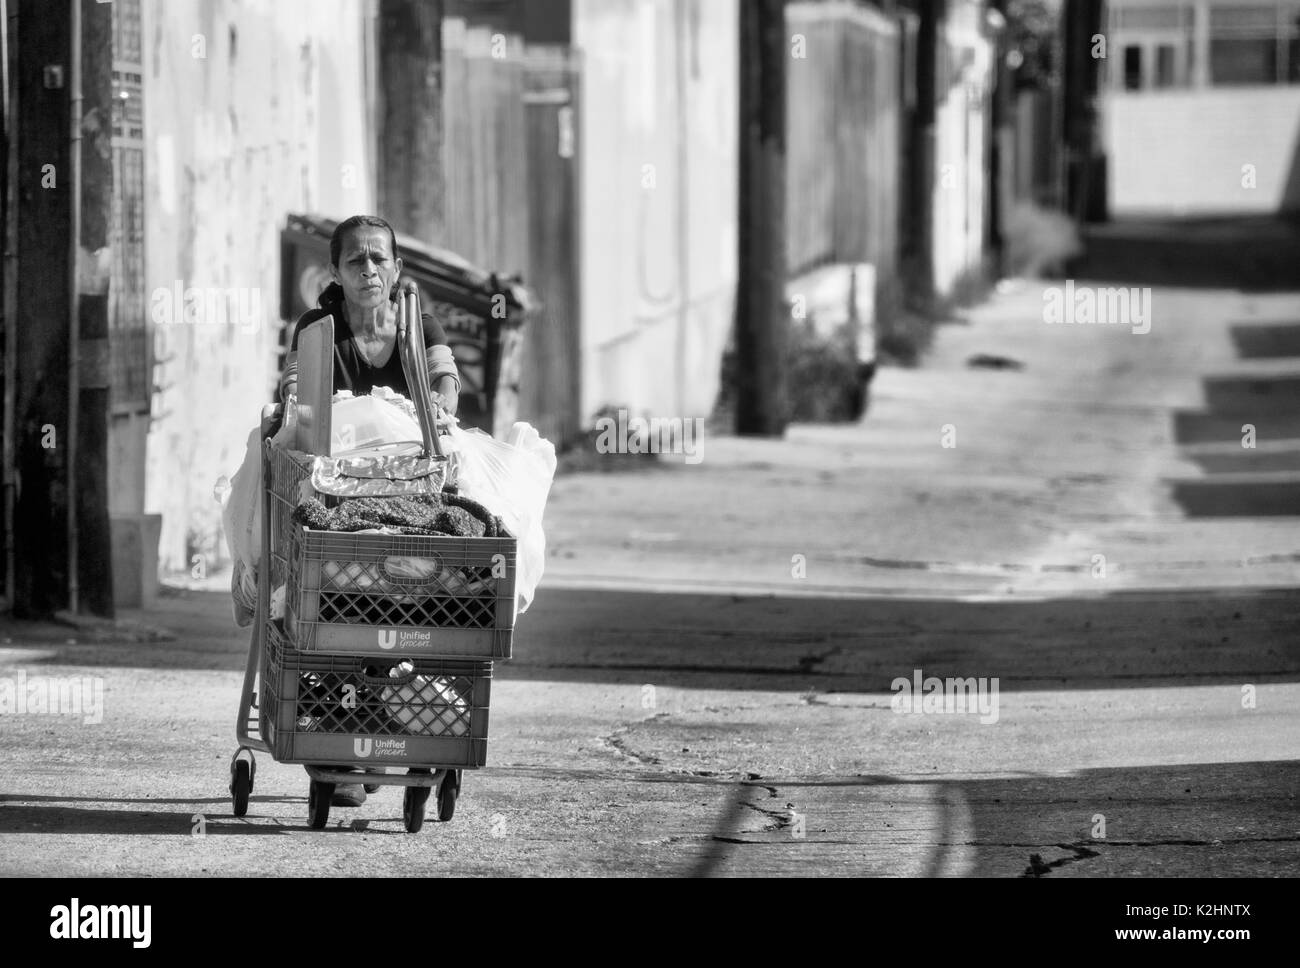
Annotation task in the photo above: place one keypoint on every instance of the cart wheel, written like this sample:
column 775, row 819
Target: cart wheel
column 448, row 790
column 318, row 804
column 413, row 808
column 241, row 785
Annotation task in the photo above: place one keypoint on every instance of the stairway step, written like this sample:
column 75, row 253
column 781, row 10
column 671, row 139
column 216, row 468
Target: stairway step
column 1232, row 393
column 1275, row 494
column 1201, row 427
column 1266, row 340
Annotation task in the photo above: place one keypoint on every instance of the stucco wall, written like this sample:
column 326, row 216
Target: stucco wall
column 1184, row 152
column 271, row 118
column 658, row 243
column 961, row 166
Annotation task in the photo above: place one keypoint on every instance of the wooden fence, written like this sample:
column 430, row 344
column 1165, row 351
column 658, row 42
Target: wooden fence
column 842, row 137
column 510, row 164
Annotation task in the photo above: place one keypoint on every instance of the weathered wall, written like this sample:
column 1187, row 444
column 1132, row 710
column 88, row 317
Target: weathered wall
column 1183, row 152
column 961, row 145
column 658, row 200
column 843, row 125
column 253, row 108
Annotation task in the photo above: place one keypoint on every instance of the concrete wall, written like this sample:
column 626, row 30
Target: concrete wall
column 253, row 108
column 842, row 108
column 961, row 125
column 658, row 201
column 1182, row 152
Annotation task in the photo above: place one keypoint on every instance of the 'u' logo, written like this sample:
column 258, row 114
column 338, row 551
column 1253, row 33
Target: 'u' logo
column 361, row 746
column 387, row 638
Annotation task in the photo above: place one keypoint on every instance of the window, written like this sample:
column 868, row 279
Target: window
column 1151, row 44
column 130, row 354
column 1293, row 52
column 1251, row 42
column 1254, row 44
column 1166, row 75
column 908, row 60
column 1133, row 68
column 1125, row 18
column 1241, row 60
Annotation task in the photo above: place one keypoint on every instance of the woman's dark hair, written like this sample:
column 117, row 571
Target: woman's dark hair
column 356, row 222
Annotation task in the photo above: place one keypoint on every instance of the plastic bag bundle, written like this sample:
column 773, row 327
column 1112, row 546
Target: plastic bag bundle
column 512, row 478
column 358, row 425
column 361, row 423
column 241, row 518
column 428, row 705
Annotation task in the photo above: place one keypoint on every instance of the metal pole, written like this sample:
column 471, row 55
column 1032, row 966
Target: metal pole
column 761, row 408
column 10, row 307
column 74, row 322
column 684, row 42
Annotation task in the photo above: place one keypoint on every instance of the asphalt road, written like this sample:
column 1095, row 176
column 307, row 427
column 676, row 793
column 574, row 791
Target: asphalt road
column 683, row 702
column 783, row 756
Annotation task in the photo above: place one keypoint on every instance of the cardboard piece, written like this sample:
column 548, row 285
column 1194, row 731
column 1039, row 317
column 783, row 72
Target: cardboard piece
column 315, row 387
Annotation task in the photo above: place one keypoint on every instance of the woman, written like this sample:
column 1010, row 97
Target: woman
column 363, row 299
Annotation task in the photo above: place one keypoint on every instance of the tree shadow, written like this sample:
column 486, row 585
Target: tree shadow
column 1225, row 820
column 23, row 814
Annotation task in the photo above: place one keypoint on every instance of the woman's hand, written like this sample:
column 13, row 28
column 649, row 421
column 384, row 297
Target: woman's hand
column 446, row 395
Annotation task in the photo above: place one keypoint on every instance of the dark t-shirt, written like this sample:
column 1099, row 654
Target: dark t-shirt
column 352, row 371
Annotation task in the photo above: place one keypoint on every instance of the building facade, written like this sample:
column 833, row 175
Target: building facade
column 1201, row 111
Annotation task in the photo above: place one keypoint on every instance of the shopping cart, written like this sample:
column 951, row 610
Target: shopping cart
column 383, row 656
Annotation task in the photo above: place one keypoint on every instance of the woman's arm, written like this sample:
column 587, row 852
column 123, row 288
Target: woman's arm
column 444, row 378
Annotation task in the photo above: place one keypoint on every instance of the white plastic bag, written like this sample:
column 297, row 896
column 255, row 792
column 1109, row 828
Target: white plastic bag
column 359, row 423
column 241, row 518
column 512, row 479
column 356, row 423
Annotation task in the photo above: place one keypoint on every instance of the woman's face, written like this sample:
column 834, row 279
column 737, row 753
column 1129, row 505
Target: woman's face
column 367, row 270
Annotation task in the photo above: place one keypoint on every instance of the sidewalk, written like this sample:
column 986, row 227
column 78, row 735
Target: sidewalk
column 1054, row 464
column 675, row 733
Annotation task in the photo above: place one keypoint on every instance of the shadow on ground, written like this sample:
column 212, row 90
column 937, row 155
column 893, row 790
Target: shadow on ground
column 1252, row 254
column 1216, row 819
column 1222, row 819
column 1189, row 637
column 35, row 814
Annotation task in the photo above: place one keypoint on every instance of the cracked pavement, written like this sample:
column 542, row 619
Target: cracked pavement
column 685, row 706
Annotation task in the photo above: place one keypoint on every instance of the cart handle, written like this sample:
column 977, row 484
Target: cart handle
column 410, row 338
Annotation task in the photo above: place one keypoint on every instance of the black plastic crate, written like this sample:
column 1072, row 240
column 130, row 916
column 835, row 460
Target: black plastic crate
column 373, row 711
column 374, row 593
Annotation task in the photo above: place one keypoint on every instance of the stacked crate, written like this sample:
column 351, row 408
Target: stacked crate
column 384, row 656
